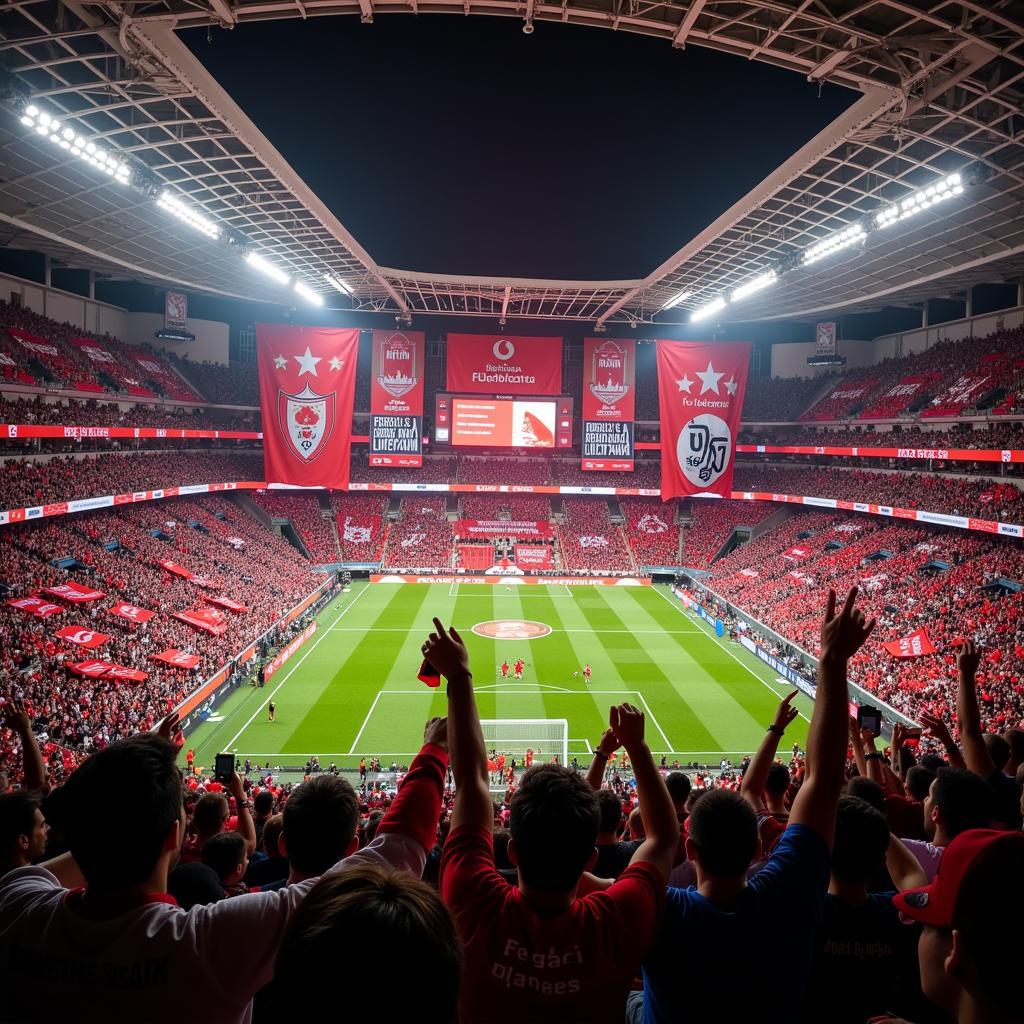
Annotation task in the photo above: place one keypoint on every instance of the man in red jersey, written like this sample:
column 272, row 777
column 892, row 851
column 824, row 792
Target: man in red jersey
column 519, row 668
column 540, row 951
column 504, row 669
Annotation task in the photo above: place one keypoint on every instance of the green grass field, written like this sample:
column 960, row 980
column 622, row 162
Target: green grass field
column 352, row 689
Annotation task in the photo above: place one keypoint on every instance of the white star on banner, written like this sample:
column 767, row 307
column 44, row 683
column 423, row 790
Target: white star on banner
column 281, row 363
column 685, row 383
column 307, row 363
column 731, row 385
column 709, row 379
column 335, row 363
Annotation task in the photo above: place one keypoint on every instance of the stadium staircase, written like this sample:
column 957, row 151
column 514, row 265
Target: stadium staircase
column 327, row 514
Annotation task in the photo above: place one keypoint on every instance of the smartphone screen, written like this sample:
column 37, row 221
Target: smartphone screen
column 224, row 767
column 869, row 718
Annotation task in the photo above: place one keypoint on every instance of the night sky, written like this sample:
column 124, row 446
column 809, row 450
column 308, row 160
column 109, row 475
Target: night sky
column 461, row 145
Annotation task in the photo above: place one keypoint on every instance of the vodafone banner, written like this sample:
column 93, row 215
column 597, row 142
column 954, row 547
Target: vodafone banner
column 914, row 646
column 701, row 386
column 501, row 365
column 534, row 556
column 35, row 606
column 179, row 659
column 307, row 391
column 609, row 403
column 130, row 612
column 74, row 592
column 396, row 399
column 210, row 620
column 82, row 636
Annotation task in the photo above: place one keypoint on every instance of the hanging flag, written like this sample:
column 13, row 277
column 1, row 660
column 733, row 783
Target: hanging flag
column 179, row 659
column 914, row 646
column 307, row 392
column 91, row 669
column 74, row 592
column 609, row 403
column 35, row 606
column 701, row 387
column 123, row 672
column 130, row 612
column 178, row 570
column 207, row 619
column 82, row 636
column 396, row 399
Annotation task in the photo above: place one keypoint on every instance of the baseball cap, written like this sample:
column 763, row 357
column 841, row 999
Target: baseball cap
column 935, row 903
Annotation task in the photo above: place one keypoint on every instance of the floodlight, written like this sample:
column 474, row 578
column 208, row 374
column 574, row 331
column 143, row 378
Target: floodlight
column 709, row 309
column 755, row 284
column 308, row 294
column 257, row 262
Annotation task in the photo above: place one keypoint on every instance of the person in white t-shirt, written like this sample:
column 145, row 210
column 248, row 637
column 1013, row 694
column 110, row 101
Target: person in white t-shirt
column 93, row 935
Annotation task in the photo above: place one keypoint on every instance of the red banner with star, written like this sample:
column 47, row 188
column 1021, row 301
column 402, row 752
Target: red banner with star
column 307, row 392
column 701, row 385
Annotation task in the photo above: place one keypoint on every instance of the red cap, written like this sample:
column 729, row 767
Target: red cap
column 935, row 903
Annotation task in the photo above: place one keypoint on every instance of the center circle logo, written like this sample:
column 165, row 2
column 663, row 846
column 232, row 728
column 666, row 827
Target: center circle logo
column 703, row 449
column 503, row 349
column 512, row 629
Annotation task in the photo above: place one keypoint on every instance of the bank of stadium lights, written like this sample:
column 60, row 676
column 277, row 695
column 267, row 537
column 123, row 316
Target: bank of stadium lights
column 188, row 214
column 833, row 243
column 99, row 156
column 716, row 305
column 336, row 282
column 755, row 284
column 257, row 262
column 951, row 185
column 677, row 298
column 307, row 293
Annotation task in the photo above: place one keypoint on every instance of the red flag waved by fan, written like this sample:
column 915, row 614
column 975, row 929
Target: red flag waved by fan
column 701, row 387
column 916, row 645
column 307, row 391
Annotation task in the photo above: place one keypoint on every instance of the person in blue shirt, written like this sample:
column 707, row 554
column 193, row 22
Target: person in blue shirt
column 737, row 950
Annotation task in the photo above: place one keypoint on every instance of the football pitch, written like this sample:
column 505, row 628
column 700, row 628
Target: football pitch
column 352, row 690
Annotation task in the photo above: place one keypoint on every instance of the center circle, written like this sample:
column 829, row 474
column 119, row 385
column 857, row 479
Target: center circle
column 512, row 629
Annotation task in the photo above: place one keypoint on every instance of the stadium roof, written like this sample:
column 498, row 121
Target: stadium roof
column 942, row 89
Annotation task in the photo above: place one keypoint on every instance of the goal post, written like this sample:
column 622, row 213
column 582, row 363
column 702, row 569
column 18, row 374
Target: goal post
column 546, row 737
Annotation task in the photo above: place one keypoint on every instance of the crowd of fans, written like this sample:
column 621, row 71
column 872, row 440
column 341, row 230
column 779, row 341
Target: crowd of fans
column 362, row 531
column 421, row 537
column 651, row 531
column 712, row 523
column 856, row 882
column 305, row 513
column 119, row 554
column 589, row 542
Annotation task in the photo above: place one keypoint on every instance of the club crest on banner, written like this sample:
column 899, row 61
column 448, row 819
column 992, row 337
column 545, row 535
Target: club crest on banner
column 608, row 373
column 703, row 449
column 307, row 421
column 397, row 373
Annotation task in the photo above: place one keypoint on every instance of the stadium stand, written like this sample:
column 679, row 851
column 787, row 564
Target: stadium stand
column 361, row 527
column 588, row 541
column 421, row 537
column 304, row 511
column 652, row 533
column 712, row 523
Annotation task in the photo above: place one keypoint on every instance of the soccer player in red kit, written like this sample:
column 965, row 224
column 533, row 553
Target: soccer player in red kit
column 504, row 670
column 529, row 757
column 586, row 673
column 519, row 668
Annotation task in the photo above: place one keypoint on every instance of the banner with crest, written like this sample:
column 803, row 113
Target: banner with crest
column 609, row 403
column 396, row 399
column 307, row 391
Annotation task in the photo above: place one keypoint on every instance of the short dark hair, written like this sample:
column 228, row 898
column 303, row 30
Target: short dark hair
column 988, row 910
column 372, row 907
column 919, row 780
column 320, row 820
column 121, row 844
column 678, row 785
column 554, row 819
column 933, row 762
column 862, row 838
column 778, row 779
column 964, row 800
column 263, row 802
column 208, row 813
column 998, row 749
column 223, row 852
column 867, row 790
column 272, row 829
column 17, row 818
column 723, row 827
column 1015, row 741
column 194, row 885
column 610, row 807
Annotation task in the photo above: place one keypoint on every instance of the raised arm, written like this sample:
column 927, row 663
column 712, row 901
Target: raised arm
column 968, row 716
column 841, row 637
column 938, row 729
column 756, row 775
column 857, row 746
column 16, row 718
column 447, row 653
column 608, row 745
column 903, row 867
column 244, row 825
column 662, row 840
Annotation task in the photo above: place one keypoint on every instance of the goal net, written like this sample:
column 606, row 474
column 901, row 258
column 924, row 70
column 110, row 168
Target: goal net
column 546, row 737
